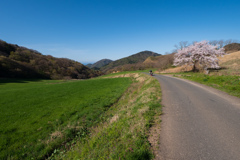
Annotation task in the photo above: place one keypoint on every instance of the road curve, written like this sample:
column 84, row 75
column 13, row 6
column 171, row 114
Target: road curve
column 198, row 122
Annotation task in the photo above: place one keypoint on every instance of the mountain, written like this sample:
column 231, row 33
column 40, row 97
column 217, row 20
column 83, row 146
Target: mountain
column 89, row 65
column 131, row 60
column 99, row 64
column 233, row 47
column 21, row 62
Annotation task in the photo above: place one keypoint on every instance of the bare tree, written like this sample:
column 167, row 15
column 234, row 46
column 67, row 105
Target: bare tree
column 193, row 42
column 221, row 43
column 174, row 51
column 213, row 42
column 176, row 47
column 229, row 41
column 181, row 45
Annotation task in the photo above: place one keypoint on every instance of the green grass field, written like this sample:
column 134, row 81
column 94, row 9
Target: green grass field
column 226, row 83
column 39, row 116
column 129, row 125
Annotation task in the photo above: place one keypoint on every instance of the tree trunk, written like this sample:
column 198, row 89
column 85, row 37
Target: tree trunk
column 195, row 69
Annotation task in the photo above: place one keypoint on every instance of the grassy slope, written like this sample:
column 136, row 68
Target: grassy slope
column 230, row 63
column 36, row 117
column 226, row 83
column 125, row 133
column 126, row 73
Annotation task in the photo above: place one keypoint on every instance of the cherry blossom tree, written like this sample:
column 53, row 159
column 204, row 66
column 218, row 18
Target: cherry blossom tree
column 201, row 53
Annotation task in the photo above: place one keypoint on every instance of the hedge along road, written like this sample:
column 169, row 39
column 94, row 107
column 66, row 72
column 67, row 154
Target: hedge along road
column 198, row 122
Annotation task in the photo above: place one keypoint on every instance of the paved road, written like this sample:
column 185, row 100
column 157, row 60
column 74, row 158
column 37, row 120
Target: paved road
column 198, row 122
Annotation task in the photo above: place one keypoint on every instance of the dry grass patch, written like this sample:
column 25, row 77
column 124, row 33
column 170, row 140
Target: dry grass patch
column 143, row 110
column 154, row 136
column 183, row 68
column 229, row 57
column 230, row 64
column 114, row 118
column 56, row 134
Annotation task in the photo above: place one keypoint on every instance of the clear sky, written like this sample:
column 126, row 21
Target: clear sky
column 90, row 30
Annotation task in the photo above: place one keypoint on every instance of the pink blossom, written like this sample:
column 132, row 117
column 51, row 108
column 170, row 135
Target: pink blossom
column 200, row 52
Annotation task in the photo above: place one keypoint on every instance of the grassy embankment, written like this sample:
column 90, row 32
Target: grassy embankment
column 226, row 83
column 37, row 117
column 128, row 72
column 130, row 125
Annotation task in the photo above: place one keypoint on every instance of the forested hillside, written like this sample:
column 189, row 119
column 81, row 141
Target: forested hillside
column 21, row 62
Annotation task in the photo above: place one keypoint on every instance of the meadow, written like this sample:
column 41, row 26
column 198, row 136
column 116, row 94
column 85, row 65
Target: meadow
column 39, row 116
column 131, row 128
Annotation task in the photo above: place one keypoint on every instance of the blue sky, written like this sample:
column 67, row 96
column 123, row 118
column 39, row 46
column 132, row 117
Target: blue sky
column 90, row 30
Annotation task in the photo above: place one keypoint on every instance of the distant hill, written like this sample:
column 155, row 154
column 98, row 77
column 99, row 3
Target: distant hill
column 89, row 65
column 21, row 62
column 233, row 47
column 128, row 61
column 99, row 64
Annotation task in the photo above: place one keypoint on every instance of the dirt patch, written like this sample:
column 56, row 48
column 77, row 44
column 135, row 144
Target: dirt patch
column 55, row 135
column 128, row 75
column 154, row 137
column 143, row 110
column 141, row 79
column 134, row 75
column 114, row 118
column 125, row 75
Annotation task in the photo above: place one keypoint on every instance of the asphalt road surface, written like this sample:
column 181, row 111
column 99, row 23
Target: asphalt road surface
column 198, row 122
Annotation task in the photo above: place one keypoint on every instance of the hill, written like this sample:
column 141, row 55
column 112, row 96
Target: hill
column 89, row 65
column 128, row 61
column 160, row 62
column 99, row 64
column 230, row 64
column 21, row 62
column 233, row 47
